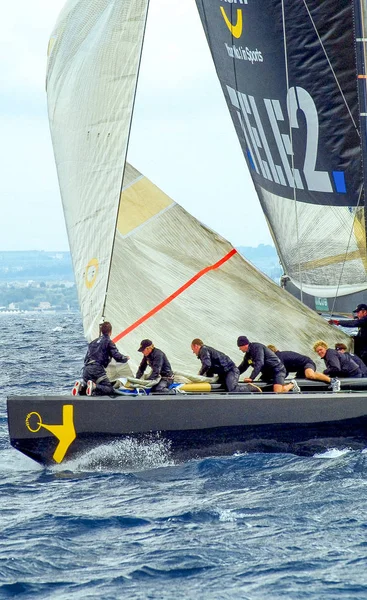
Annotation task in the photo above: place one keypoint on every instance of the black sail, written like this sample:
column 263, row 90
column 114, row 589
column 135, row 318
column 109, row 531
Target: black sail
column 289, row 74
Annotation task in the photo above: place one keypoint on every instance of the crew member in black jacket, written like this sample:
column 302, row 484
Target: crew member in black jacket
column 360, row 340
column 342, row 348
column 337, row 364
column 99, row 354
column 266, row 362
column 214, row 362
column 303, row 366
column 159, row 363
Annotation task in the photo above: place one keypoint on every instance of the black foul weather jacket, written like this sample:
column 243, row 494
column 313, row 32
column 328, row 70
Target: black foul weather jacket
column 360, row 340
column 340, row 364
column 214, row 362
column 359, row 362
column 101, row 351
column 158, row 362
column 261, row 358
column 295, row 362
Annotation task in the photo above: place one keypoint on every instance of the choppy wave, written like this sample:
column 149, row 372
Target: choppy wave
column 126, row 521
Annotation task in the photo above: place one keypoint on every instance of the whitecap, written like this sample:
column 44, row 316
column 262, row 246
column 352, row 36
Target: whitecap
column 332, row 453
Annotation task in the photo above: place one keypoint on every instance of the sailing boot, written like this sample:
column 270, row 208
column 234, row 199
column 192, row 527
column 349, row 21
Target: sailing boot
column 76, row 389
column 91, row 386
column 335, row 385
column 295, row 389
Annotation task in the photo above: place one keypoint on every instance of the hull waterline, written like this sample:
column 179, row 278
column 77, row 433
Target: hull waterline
column 54, row 429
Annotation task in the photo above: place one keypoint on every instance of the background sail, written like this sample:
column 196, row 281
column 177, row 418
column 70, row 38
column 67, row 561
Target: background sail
column 94, row 55
column 157, row 271
column 288, row 72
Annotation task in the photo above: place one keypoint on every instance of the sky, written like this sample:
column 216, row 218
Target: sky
column 182, row 135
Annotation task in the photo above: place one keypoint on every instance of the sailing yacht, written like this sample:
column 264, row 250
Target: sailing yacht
column 142, row 262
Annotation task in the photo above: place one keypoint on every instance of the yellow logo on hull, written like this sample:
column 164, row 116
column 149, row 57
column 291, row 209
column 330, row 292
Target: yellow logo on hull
column 236, row 30
column 65, row 433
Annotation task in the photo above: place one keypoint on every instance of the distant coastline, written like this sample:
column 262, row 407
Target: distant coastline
column 40, row 265
column 41, row 281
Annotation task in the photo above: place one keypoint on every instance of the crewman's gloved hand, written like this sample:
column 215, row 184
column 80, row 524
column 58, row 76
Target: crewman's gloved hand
column 333, row 322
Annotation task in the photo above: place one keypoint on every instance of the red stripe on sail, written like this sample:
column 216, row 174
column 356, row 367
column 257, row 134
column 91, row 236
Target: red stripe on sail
column 169, row 299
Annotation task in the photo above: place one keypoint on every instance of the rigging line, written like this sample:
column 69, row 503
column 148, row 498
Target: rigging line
column 361, row 190
column 292, row 156
column 346, row 253
column 123, row 170
column 174, row 295
column 331, row 67
column 363, row 32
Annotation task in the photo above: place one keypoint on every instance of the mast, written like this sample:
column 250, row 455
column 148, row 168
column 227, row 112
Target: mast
column 361, row 59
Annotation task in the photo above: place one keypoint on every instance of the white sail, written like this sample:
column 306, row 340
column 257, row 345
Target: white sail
column 323, row 247
column 93, row 62
column 140, row 260
column 174, row 279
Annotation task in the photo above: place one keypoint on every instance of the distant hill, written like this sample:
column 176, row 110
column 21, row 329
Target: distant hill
column 56, row 266
column 265, row 258
column 36, row 265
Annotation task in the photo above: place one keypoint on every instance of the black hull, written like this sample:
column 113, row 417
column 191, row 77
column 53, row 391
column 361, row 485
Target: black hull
column 53, row 429
column 298, row 439
column 344, row 305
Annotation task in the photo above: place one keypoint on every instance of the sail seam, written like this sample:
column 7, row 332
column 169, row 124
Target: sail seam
column 138, row 227
column 126, row 187
column 179, row 291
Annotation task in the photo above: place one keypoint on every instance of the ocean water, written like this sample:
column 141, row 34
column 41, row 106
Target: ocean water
column 127, row 521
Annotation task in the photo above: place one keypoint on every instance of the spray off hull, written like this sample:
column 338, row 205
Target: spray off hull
column 54, row 429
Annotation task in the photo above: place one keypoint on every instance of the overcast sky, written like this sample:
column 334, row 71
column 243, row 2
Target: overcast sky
column 182, row 137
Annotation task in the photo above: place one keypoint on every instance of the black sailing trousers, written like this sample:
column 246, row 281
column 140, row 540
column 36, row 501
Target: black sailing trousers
column 98, row 375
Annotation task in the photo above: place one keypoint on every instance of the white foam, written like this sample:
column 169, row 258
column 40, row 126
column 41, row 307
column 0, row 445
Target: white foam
column 332, row 453
column 126, row 455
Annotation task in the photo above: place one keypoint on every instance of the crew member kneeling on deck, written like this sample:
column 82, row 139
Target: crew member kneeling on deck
column 99, row 355
column 337, row 364
column 266, row 362
column 342, row 348
column 214, row 362
column 159, row 363
column 302, row 366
